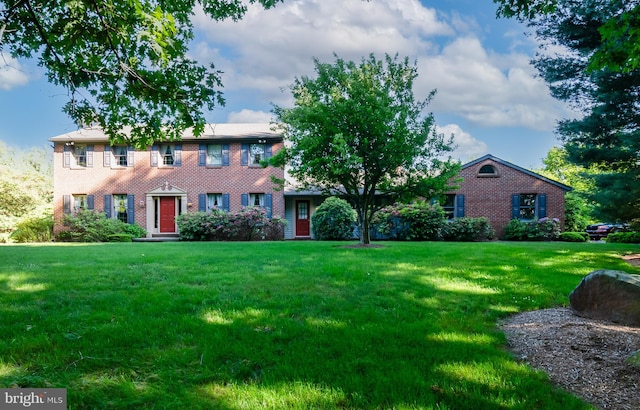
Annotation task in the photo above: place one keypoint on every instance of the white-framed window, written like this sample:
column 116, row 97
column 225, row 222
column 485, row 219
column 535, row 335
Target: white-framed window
column 79, row 202
column 256, row 154
column 214, row 155
column 79, row 156
column 120, row 207
column 120, row 156
column 214, row 201
column 167, row 153
column 256, row 200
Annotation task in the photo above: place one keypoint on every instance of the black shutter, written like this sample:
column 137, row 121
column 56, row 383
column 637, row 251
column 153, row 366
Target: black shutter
column 107, row 205
column 459, row 206
column 131, row 209
column 542, row 205
column 515, row 206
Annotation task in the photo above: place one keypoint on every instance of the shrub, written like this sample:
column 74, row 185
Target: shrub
column 34, row 230
column 544, row 229
column 418, row 221
column 468, row 230
column 119, row 237
column 90, row 226
column 573, row 237
column 624, row 237
column 334, row 219
column 251, row 224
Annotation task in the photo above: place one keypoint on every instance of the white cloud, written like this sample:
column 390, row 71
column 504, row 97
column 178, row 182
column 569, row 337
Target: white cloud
column 249, row 116
column 11, row 74
column 265, row 51
column 467, row 147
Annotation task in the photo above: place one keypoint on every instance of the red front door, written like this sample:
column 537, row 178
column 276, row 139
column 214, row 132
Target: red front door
column 167, row 214
column 302, row 218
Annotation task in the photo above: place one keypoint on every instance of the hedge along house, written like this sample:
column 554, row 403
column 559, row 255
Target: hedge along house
column 501, row 191
column 219, row 169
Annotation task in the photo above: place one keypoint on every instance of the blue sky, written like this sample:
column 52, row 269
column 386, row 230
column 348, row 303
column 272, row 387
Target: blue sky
column 488, row 95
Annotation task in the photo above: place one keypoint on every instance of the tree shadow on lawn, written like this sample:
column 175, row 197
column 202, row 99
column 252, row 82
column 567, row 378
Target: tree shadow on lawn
column 389, row 336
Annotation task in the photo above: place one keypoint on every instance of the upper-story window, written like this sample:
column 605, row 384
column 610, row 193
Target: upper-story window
column 80, row 155
column 167, row 152
column 256, row 154
column 77, row 155
column 487, row 171
column 214, row 154
column 120, row 156
column 166, row 155
column 253, row 154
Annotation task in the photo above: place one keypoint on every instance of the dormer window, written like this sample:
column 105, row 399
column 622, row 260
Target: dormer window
column 488, row 171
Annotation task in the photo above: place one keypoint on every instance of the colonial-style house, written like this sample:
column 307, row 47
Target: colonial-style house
column 221, row 169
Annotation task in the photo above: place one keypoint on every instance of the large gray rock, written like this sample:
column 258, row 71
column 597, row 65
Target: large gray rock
column 610, row 295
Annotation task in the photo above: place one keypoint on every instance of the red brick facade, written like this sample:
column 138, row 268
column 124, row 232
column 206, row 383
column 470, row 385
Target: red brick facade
column 144, row 184
column 154, row 193
column 491, row 194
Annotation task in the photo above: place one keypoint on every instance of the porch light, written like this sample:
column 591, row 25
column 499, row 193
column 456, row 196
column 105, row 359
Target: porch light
column 142, row 202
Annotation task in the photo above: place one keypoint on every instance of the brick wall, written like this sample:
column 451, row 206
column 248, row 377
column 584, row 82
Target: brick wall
column 490, row 196
column 100, row 180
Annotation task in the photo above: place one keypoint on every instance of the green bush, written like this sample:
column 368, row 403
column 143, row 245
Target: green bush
column 34, row 230
column 90, row 226
column 624, row 237
column 334, row 219
column 468, row 230
column 119, row 237
column 573, row 237
column 250, row 224
column 417, row 221
column 544, row 229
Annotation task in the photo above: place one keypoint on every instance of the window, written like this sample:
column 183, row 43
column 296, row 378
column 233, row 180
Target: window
column 214, row 201
column 448, row 204
column 167, row 154
column 120, row 207
column 256, row 154
column 487, row 171
column 120, row 156
column 80, row 155
column 79, row 203
column 214, row 154
column 527, row 206
column 256, row 200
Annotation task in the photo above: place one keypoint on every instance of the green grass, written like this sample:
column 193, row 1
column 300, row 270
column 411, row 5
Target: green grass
column 285, row 324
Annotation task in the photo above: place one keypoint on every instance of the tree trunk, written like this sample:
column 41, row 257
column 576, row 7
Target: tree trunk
column 364, row 229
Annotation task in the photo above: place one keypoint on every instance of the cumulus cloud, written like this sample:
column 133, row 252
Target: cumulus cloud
column 467, row 147
column 249, row 116
column 265, row 51
column 11, row 74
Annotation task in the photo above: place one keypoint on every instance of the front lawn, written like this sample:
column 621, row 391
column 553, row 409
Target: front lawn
column 284, row 324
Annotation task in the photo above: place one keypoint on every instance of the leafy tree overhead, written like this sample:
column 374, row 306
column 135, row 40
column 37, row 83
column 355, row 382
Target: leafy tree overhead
column 357, row 131
column 123, row 62
column 619, row 49
column 606, row 137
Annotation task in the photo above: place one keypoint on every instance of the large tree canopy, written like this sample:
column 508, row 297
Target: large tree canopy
column 619, row 28
column 607, row 135
column 123, row 62
column 357, row 131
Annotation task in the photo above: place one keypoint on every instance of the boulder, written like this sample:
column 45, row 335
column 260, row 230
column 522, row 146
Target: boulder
column 609, row 295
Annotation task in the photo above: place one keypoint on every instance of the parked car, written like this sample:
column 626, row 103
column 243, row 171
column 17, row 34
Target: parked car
column 602, row 230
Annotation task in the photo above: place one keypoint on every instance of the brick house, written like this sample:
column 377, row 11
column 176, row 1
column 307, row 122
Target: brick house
column 502, row 191
column 220, row 169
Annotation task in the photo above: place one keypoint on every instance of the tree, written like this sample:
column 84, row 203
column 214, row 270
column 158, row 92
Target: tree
column 578, row 207
column 123, row 62
column 620, row 31
column 606, row 137
column 357, row 131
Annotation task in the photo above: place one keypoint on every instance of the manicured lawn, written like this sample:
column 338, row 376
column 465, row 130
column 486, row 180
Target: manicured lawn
column 283, row 325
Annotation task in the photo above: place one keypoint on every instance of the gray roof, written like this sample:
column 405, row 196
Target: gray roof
column 510, row 165
column 225, row 131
